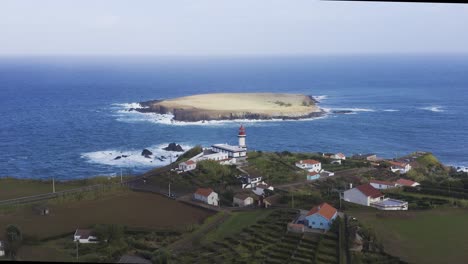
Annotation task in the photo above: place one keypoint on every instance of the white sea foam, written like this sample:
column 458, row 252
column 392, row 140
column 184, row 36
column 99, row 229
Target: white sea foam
column 320, row 98
column 391, row 110
column 127, row 106
column 124, row 115
column 433, row 108
column 134, row 157
column 349, row 109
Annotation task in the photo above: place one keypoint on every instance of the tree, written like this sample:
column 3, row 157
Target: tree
column 161, row 256
column 14, row 239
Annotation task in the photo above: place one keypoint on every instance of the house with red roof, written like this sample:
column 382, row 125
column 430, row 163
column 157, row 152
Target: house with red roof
column 84, row 236
column 382, row 185
column 338, row 156
column 363, row 194
column 406, row 182
column 310, row 165
column 402, row 167
column 367, row 195
column 187, row 165
column 206, row 195
column 321, row 216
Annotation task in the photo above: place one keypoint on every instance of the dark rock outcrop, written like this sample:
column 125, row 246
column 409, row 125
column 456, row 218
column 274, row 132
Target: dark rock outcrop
column 146, row 153
column 174, row 147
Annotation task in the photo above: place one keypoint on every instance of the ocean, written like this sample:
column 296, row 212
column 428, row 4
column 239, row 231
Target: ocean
column 66, row 117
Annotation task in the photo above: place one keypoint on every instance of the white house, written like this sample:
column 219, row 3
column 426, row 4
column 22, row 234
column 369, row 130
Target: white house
column 338, row 156
column 84, row 236
column 363, row 194
column 402, row 167
column 2, row 249
column 250, row 181
column 382, row 185
column 187, row 165
column 405, row 182
column 259, row 189
column 370, row 196
column 242, row 199
column 310, row 165
column 206, row 195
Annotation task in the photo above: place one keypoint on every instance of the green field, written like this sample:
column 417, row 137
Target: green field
column 432, row 236
column 15, row 188
column 235, row 223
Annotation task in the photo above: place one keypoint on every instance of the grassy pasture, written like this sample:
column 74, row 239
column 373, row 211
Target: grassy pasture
column 430, row 236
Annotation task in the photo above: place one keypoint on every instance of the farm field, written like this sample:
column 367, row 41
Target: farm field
column 15, row 188
column 236, row 222
column 266, row 241
column 122, row 207
column 430, row 236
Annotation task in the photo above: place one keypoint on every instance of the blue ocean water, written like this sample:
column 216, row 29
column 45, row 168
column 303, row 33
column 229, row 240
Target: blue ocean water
column 65, row 116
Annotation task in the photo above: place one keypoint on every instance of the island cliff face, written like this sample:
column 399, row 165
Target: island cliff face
column 229, row 106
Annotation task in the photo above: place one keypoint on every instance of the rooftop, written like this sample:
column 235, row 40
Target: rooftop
column 309, row 161
column 368, row 190
column 405, row 182
column 324, row 210
column 383, row 182
column 83, row 233
column 229, row 147
column 204, row 191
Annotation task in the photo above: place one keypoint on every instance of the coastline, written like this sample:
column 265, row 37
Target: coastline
column 233, row 106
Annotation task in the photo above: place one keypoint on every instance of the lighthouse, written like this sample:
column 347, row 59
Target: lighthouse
column 241, row 137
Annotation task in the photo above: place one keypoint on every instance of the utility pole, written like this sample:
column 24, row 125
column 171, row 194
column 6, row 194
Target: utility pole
column 53, row 184
column 169, row 190
column 76, row 242
column 121, row 180
column 292, row 202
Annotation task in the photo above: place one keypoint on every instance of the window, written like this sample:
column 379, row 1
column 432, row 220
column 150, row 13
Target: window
column 321, row 224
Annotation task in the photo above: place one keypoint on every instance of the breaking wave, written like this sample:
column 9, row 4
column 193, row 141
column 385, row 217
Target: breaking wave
column 133, row 157
column 436, row 109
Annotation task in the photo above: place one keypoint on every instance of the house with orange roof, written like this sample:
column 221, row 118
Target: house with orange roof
column 321, row 216
column 406, row 182
column 206, row 195
column 310, row 165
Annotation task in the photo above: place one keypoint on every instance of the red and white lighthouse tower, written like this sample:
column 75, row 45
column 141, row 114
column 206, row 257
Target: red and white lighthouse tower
column 241, row 137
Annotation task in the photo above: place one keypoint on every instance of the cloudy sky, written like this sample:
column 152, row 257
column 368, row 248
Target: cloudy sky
column 229, row 27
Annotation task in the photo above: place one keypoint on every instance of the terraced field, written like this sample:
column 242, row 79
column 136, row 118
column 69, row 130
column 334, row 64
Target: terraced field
column 267, row 241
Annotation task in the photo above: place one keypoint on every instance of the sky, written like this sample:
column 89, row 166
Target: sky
column 229, row 27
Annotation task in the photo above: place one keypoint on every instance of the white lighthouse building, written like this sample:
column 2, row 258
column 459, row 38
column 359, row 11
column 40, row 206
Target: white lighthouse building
column 241, row 137
column 235, row 153
column 222, row 153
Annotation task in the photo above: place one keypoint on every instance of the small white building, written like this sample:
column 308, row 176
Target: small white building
column 206, row 195
column 259, row 189
column 250, row 181
column 338, row 156
column 242, row 200
column 84, row 236
column 382, row 185
column 2, row 249
column 187, row 165
column 405, row 182
column 402, row 167
column 310, row 165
